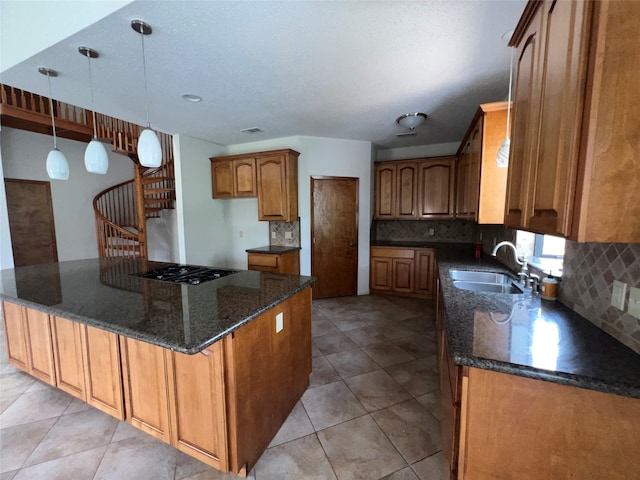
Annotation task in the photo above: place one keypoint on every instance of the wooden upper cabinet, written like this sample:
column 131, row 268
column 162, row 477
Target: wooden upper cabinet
column 574, row 171
column 385, row 188
column 231, row 178
column 406, row 189
column 481, row 184
column 277, row 174
column 436, row 188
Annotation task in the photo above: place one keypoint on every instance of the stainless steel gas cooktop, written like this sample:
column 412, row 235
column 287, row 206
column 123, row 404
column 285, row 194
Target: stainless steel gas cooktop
column 187, row 274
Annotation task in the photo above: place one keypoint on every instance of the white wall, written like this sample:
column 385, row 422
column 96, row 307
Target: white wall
column 418, row 151
column 23, row 157
column 204, row 230
column 318, row 156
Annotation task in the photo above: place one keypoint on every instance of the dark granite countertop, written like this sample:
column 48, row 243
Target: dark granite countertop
column 187, row 318
column 272, row 249
column 530, row 337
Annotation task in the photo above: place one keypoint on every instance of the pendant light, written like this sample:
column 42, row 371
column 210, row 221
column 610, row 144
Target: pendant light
column 149, row 150
column 57, row 165
column 502, row 159
column 95, row 156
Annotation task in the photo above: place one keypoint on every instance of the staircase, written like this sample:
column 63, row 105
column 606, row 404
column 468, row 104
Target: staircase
column 121, row 211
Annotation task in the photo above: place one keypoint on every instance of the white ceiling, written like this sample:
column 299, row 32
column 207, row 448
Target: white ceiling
column 329, row 69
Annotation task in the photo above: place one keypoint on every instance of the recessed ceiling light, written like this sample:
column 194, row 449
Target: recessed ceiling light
column 190, row 97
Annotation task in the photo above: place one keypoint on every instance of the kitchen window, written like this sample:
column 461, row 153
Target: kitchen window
column 544, row 252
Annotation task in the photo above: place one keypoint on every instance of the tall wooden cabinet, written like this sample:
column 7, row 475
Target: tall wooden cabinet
column 481, row 184
column 574, row 172
column 415, row 189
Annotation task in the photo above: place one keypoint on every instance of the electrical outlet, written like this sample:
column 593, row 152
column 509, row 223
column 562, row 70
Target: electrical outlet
column 279, row 322
column 241, row 234
column 288, row 235
column 618, row 295
column 634, row 302
column 432, row 232
column 273, row 234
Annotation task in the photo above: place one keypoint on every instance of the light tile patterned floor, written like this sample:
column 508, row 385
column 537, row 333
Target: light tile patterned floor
column 371, row 412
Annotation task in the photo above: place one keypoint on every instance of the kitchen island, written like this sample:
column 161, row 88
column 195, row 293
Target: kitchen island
column 213, row 369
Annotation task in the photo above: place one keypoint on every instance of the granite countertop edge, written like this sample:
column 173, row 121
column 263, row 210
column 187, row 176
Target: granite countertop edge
column 273, row 249
column 454, row 306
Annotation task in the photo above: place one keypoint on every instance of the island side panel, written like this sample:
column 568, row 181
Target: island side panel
column 267, row 374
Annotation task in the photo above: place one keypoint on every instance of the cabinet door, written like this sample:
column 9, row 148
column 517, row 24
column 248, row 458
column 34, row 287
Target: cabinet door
column 381, row 271
column 103, row 376
column 244, row 178
column 198, row 414
column 424, row 272
column 68, row 356
column 524, row 131
column 40, row 346
column 222, row 178
column 16, row 335
column 461, row 182
column 385, row 191
column 403, row 275
column 563, row 81
column 406, row 189
column 473, row 173
column 144, row 368
column 272, row 188
column 436, row 185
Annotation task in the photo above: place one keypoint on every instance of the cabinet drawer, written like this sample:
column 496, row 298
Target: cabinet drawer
column 392, row 252
column 263, row 261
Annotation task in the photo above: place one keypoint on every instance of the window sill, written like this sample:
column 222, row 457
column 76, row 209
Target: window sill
column 546, row 265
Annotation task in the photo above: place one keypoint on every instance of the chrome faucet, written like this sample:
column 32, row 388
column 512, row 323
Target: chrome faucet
column 523, row 275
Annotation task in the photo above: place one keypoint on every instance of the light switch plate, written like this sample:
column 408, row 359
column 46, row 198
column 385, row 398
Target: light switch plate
column 634, row 302
column 279, row 322
column 288, row 235
column 273, row 234
column 618, row 295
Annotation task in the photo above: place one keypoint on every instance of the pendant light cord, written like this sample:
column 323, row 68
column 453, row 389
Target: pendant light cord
column 93, row 104
column 53, row 121
column 146, row 91
column 510, row 82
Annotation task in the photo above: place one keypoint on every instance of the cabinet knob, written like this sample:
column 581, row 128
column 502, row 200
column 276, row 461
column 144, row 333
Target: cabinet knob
column 353, row 244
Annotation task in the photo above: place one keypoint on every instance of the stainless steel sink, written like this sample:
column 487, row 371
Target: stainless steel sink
column 483, row 277
column 510, row 288
column 486, row 282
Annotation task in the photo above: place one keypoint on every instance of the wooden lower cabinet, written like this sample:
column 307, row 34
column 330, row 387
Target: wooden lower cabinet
column 38, row 330
column 67, row 339
column 407, row 271
column 287, row 262
column 16, row 335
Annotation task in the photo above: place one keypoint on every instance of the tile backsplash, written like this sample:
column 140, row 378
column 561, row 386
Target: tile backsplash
column 454, row 231
column 281, row 229
column 587, row 283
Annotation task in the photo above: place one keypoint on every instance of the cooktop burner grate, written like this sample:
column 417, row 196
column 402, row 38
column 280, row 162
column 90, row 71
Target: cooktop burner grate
column 185, row 274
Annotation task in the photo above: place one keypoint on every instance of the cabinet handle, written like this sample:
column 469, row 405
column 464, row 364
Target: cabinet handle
column 206, row 352
column 353, row 244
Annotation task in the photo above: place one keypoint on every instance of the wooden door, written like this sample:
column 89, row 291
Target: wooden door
column 436, row 186
column 244, row 178
column 222, row 179
column 40, row 346
column 68, row 356
column 406, row 189
column 334, row 224
column 197, row 398
column 403, row 275
column 144, row 370
column 524, row 131
column 16, row 335
column 33, row 233
column 564, row 73
column 103, row 376
column 385, row 190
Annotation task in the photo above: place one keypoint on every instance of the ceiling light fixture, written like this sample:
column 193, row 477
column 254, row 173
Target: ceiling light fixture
column 57, row 165
column 149, row 150
column 502, row 159
column 411, row 120
column 190, row 97
column 95, row 156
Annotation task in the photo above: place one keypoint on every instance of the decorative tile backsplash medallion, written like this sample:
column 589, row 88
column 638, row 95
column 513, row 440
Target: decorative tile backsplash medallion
column 282, row 231
column 587, row 283
column 454, row 231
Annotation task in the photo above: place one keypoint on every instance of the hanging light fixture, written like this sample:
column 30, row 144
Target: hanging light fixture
column 149, row 150
column 57, row 165
column 502, row 159
column 95, row 156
